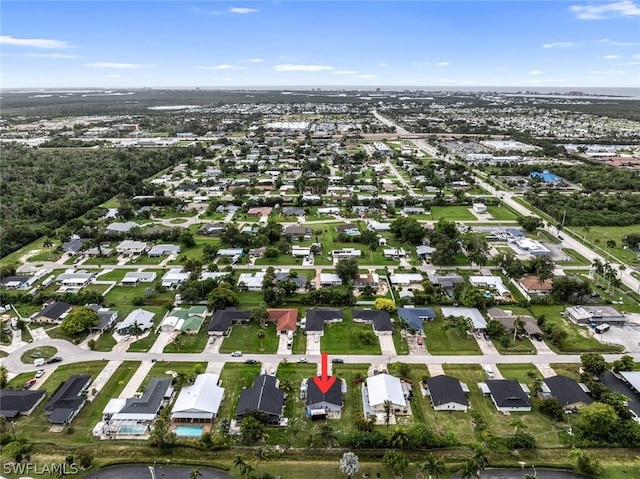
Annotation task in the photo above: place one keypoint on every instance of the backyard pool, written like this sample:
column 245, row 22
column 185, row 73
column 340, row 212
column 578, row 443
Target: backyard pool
column 188, row 431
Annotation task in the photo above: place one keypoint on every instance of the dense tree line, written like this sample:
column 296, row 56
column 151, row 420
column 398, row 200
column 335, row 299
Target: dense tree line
column 619, row 209
column 43, row 189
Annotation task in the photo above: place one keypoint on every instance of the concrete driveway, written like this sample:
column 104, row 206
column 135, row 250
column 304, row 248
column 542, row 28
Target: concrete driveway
column 313, row 346
column 282, row 344
column 386, row 345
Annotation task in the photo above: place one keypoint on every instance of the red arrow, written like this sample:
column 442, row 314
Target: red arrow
column 324, row 382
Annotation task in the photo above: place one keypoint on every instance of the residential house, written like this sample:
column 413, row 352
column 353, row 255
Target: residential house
column 184, row 320
column 447, row 394
column 75, row 279
column 406, row 279
column 595, row 315
column 394, row 253
column 122, row 227
column 259, row 211
column 532, row 285
column 251, row 281
column 212, row 229
column 286, row 319
column 508, row 395
column 346, row 253
column 199, row 402
column 53, row 312
column 73, row 246
column 374, row 225
column 571, row 394
column 348, row 229
column 424, row 252
column 134, row 278
column 361, row 281
column 382, row 388
column 68, row 399
column 319, row 403
column 223, row 319
column 141, row 317
column 134, row 416
column 415, row 317
column 106, row 318
column 301, row 282
column 292, row 211
column 317, row 318
column 330, row 279
column 131, row 248
column 296, row 232
column 379, row 319
column 479, row 208
column 230, row 252
column 447, row 281
column 264, row 397
column 300, row 251
column 173, row 278
column 14, row 403
column 507, row 319
column 473, row 314
column 17, row 282
column 493, row 283
column 163, row 250
column 413, row 210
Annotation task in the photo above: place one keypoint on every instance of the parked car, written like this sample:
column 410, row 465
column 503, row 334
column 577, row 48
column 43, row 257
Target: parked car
column 236, row 354
column 251, row 361
column 420, row 341
column 39, row 373
column 29, row 383
column 55, row 359
column 302, row 360
column 212, row 339
column 337, row 361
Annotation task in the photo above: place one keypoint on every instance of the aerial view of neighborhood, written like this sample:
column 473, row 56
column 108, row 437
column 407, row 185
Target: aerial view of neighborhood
column 318, row 281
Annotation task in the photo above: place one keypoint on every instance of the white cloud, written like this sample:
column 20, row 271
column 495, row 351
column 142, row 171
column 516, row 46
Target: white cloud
column 33, row 42
column 122, row 66
column 622, row 8
column 605, row 72
column 383, row 64
column 559, row 45
column 443, row 64
column 252, row 60
column 224, row 66
column 50, row 55
column 622, row 44
column 114, row 76
column 344, row 72
column 536, row 72
column 366, row 76
column 242, row 10
column 302, row 68
column 611, row 57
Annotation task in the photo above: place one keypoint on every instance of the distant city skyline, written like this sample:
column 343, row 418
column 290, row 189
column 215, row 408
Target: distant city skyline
column 119, row 44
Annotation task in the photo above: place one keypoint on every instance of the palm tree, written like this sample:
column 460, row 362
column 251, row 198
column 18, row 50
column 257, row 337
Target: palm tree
column 240, row 464
column 399, row 438
column 621, row 268
column 261, row 335
column 518, row 325
column 327, row 435
column 135, row 329
column 261, row 455
column 480, row 457
column 432, row 466
column 469, row 470
column 387, row 412
column 611, row 243
column 195, row 473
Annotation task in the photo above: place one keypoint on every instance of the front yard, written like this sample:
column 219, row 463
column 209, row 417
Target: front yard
column 244, row 337
column 441, row 341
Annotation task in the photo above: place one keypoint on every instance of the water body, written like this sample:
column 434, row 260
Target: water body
column 161, row 472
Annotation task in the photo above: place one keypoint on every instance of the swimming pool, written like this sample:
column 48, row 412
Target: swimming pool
column 189, row 431
column 132, row 429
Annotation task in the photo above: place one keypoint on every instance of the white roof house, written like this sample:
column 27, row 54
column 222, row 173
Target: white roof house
column 132, row 278
column 200, row 401
column 75, row 278
column 131, row 247
column 346, row 253
column 494, row 282
column 174, row 277
column 473, row 314
column 122, row 227
column 330, row 279
column 406, row 278
column 164, row 249
column 253, row 281
column 142, row 317
column 384, row 387
column 298, row 251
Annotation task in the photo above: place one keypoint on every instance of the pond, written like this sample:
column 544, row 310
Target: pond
column 161, row 471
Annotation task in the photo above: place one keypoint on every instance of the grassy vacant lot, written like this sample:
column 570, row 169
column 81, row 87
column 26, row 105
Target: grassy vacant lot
column 346, row 337
column 578, row 338
column 523, row 373
column 441, row 422
column 571, row 370
column 519, row 346
column 500, row 213
column 576, row 258
column 452, row 213
column 234, row 378
column 400, row 343
column 538, row 425
column 605, row 233
column 40, row 352
column 244, row 337
column 189, row 343
column 442, row 341
column 36, row 426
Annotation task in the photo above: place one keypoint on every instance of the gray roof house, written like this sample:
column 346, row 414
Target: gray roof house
column 567, row 391
column 53, row 313
column 316, row 400
column 68, row 399
column 222, row 320
column 106, row 318
column 380, row 319
column 508, row 395
column 121, row 227
column 264, row 396
column 447, row 394
column 163, row 250
column 143, row 318
column 14, row 403
column 316, row 319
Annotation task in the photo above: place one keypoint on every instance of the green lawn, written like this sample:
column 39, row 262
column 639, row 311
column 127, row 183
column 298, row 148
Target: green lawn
column 605, row 233
column 19, row 380
column 400, row 343
column 346, row 337
column 234, row 378
column 523, row 373
column 160, row 368
column 103, row 260
column 501, row 213
column 36, row 426
column 452, row 213
column 448, row 342
column 576, row 258
column 244, row 337
column 299, row 343
column 105, row 342
column 519, row 346
column 578, row 339
column 14, row 258
column 47, row 254
column 191, row 343
column 571, row 370
column 40, row 352
column 546, row 434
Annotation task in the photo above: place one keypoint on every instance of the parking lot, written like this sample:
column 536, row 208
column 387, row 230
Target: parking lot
column 628, row 336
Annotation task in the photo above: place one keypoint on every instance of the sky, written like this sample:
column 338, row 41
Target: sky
column 126, row 44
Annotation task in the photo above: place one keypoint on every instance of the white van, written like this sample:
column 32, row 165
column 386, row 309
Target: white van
column 39, row 362
column 489, row 370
